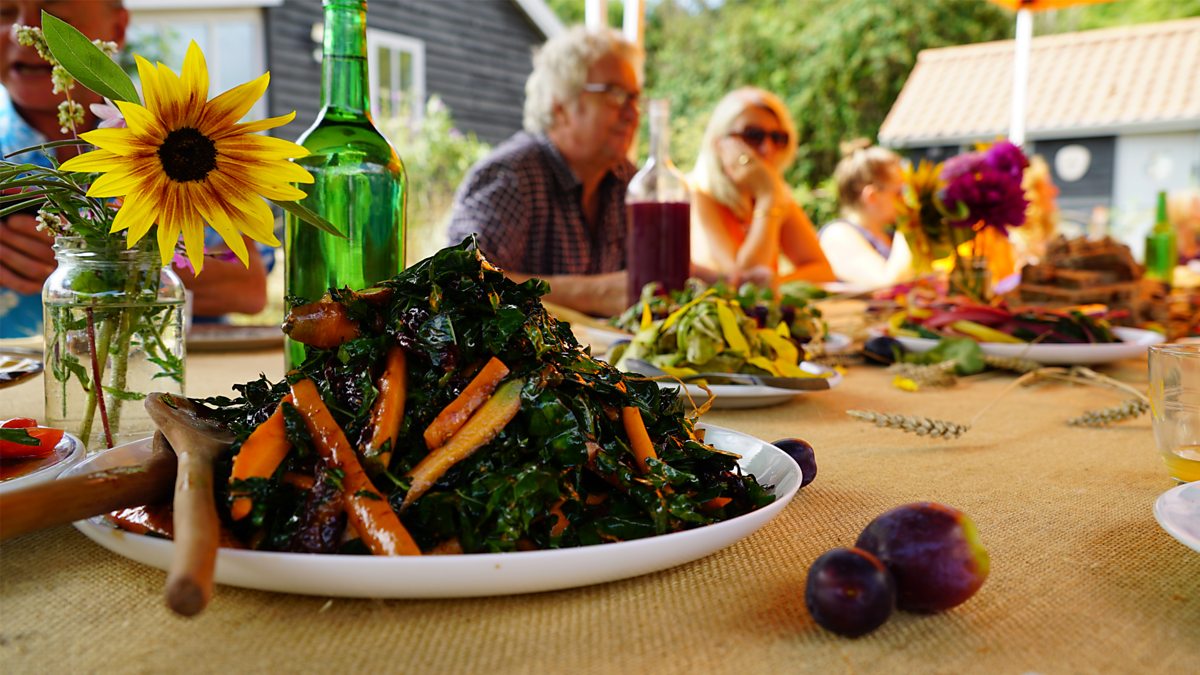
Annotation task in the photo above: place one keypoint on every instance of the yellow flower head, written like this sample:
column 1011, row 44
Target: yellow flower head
column 184, row 161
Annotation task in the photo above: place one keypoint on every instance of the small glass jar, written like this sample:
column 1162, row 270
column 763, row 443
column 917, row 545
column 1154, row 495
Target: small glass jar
column 114, row 315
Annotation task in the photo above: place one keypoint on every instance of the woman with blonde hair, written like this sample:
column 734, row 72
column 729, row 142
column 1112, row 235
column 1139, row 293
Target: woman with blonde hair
column 857, row 244
column 743, row 214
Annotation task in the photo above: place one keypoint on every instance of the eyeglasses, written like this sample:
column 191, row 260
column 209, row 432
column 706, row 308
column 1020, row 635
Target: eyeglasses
column 756, row 136
column 616, row 94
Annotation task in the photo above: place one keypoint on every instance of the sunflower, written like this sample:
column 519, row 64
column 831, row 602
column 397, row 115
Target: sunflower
column 184, row 161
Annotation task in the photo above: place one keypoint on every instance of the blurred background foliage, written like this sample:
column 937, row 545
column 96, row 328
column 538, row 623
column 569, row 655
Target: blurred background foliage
column 838, row 65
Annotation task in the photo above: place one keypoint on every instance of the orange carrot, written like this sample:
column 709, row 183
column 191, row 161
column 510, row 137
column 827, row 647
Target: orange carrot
column 639, row 438
column 483, row 426
column 260, row 455
column 460, row 409
column 323, row 324
column 366, row 509
column 388, row 411
column 560, row 518
column 715, row 504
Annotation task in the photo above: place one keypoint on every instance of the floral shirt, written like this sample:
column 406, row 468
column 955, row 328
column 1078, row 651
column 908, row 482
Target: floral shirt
column 20, row 315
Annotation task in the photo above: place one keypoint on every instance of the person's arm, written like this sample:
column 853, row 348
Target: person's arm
column 228, row 286
column 26, row 254
column 799, row 242
column 595, row 294
column 855, row 261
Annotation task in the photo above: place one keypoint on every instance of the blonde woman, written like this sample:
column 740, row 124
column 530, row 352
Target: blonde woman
column 858, row 245
column 743, row 214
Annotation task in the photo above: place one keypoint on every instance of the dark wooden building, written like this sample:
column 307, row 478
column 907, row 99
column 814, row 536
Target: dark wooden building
column 472, row 54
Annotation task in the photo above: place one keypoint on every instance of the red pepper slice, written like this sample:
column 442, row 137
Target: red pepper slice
column 47, row 438
column 19, row 423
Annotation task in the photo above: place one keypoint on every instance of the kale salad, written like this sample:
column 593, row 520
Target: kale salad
column 445, row 411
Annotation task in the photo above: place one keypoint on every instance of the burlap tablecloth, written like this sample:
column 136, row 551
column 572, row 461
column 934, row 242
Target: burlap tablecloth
column 1083, row 579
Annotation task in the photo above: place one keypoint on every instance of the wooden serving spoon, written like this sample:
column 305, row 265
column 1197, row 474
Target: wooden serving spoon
column 197, row 442
column 66, row 500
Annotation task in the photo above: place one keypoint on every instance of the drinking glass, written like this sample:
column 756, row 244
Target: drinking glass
column 1175, row 407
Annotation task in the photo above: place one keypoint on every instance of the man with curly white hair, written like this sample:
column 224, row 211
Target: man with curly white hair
column 550, row 201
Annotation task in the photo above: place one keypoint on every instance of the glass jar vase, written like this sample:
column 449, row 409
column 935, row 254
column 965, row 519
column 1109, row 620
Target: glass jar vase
column 114, row 316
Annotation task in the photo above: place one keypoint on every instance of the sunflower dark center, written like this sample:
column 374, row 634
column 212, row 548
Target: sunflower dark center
column 187, row 155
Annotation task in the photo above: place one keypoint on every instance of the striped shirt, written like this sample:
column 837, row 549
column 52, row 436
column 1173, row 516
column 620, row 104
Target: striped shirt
column 526, row 206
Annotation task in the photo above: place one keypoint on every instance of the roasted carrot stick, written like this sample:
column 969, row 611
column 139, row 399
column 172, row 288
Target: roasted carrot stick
column 388, row 411
column 460, row 409
column 323, row 324
column 639, row 438
column 366, row 509
column 260, row 456
column 483, row 426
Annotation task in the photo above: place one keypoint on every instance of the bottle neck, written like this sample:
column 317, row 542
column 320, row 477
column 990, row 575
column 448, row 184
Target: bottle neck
column 660, row 134
column 344, row 85
column 1161, row 222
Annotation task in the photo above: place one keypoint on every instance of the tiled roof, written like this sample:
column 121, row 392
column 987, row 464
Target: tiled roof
column 1086, row 83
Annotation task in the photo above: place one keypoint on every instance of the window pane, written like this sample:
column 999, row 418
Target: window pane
column 383, row 82
column 237, row 48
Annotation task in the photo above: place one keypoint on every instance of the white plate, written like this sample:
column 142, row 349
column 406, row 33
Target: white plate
column 1134, row 342
column 465, row 575
column 219, row 337
column 731, row 396
column 1178, row 512
column 837, row 343
column 68, row 451
column 15, row 369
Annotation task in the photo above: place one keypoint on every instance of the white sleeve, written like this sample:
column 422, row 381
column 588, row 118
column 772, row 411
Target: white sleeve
column 855, row 261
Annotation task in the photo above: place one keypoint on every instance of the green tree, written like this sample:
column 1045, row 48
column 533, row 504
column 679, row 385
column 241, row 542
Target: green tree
column 839, row 67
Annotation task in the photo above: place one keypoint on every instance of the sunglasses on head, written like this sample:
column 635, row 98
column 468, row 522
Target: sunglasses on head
column 756, row 136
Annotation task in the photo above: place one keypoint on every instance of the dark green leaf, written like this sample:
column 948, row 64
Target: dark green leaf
column 309, row 216
column 18, row 436
column 85, row 62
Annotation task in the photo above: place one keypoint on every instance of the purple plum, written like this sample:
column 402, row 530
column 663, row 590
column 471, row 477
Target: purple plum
column 801, row 451
column 849, row 592
column 932, row 550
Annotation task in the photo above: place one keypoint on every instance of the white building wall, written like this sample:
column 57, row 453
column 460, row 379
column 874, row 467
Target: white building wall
column 1145, row 164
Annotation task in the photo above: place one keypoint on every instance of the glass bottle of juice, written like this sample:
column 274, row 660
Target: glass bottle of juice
column 659, row 213
column 1161, row 253
column 360, row 184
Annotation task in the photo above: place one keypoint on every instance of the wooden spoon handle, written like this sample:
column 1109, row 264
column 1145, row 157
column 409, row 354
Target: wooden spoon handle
column 64, row 501
column 190, row 579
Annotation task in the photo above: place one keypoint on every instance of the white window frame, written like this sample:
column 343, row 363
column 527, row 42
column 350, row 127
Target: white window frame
column 162, row 14
column 396, row 43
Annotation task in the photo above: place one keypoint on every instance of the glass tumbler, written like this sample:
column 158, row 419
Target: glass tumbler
column 1175, row 407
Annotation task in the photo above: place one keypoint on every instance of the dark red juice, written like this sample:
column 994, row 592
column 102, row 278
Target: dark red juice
column 659, row 245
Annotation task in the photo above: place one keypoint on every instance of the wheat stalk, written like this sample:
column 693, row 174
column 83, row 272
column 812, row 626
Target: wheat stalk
column 1013, row 363
column 922, row 426
column 1127, row 409
column 930, row 375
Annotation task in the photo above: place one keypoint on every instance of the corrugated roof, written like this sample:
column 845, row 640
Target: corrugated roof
column 1086, row 83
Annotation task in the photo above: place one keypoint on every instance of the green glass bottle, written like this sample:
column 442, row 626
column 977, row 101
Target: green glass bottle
column 1161, row 253
column 360, row 183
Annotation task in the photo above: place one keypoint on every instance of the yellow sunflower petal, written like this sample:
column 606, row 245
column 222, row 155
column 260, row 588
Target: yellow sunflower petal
column 224, row 111
column 195, row 76
column 170, row 222
column 174, row 101
column 142, row 122
column 264, row 173
column 193, row 239
column 210, row 207
column 260, row 125
column 119, row 141
column 137, row 215
column 167, row 238
column 149, row 77
column 96, row 160
column 252, row 147
column 115, row 183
